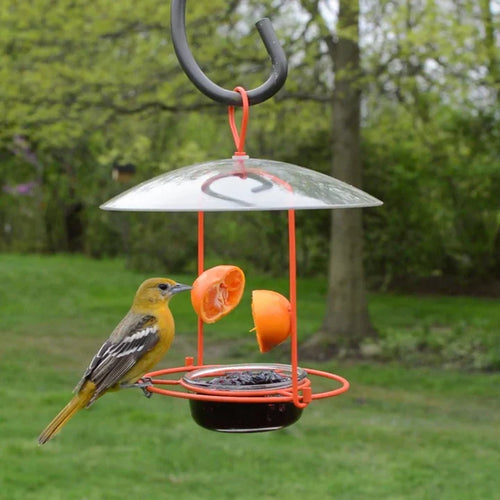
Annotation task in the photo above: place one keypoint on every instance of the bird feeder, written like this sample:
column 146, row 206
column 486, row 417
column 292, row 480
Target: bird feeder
column 245, row 397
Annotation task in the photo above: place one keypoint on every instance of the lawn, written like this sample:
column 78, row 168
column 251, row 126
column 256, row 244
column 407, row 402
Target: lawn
column 402, row 431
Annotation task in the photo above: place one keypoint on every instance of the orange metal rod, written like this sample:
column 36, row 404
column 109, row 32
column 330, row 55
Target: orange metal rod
column 293, row 305
column 201, row 265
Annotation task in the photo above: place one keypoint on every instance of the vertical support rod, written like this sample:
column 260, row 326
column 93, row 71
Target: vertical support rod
column 292, row 263
column 201, row 265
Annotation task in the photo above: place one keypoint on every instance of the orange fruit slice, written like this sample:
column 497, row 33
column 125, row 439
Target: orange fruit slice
column 271, row 317
column 217, row 291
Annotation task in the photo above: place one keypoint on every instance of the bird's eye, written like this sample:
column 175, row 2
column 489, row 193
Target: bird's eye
column 162, row 286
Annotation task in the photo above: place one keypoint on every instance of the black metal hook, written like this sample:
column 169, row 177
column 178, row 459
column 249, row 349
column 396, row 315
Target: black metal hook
column 264, row 185
column 204, row 84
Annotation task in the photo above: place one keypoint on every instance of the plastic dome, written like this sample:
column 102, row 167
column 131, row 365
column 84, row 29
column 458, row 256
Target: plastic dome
column 240, row 184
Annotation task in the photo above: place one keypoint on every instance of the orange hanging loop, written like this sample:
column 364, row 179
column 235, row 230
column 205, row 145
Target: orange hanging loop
column 239, row 137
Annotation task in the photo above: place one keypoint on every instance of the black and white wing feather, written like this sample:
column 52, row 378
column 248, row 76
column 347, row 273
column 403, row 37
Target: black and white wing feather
column 120, row 353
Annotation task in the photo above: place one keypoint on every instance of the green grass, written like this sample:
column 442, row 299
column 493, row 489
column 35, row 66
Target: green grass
column 401, row 432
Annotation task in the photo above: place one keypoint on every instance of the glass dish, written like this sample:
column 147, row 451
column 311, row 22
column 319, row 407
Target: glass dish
column 238, row 417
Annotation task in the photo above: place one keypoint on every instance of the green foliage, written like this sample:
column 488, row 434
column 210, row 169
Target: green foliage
column 89, row 85
column 163, row 241
column 439, row 182
column 452, row 332
column 458, row 347
column 431, row 141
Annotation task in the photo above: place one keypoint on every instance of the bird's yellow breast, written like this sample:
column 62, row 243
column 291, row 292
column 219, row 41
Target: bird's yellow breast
column 166, row 332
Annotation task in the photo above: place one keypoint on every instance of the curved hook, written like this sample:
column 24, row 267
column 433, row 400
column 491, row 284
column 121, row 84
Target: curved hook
column 264, row 185
column 204, row 84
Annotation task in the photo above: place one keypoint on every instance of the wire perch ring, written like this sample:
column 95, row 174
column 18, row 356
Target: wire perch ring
column 240, row 396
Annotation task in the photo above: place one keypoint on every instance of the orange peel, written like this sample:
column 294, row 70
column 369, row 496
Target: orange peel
column 271, row 314
column 217, row 291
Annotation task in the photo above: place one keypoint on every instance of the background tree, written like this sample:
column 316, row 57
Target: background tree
column 85, row 86
column 346, row 323
column 430, row 138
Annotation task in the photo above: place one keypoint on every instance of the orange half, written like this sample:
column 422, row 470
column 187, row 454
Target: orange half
column 271, row 314
column 217, row 291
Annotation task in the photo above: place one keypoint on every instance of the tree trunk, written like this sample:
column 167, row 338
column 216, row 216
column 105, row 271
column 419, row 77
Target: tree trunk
column 346, row 323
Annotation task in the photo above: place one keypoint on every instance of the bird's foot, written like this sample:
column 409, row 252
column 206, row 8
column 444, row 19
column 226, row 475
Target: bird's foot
column 143, row 383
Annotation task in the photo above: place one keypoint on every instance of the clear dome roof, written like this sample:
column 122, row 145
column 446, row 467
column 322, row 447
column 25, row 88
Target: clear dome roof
column 240, row 184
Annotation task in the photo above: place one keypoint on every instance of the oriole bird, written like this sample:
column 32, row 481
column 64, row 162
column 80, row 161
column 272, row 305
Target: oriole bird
column 134, row 347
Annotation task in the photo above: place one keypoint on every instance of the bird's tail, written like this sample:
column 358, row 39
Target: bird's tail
column 78, row 402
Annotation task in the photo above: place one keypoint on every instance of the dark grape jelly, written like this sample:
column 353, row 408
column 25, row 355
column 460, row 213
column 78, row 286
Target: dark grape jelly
column 243, row 417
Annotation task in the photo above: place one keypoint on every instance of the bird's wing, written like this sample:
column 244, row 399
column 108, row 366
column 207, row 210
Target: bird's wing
column 138, row 335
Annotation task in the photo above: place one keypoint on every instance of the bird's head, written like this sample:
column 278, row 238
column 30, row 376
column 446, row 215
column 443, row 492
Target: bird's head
column 157, row 291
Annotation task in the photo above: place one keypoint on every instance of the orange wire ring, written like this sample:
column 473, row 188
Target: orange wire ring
column 246, row 396
column 300, row 392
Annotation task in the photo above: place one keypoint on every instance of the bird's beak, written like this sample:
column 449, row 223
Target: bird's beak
column 179, row 287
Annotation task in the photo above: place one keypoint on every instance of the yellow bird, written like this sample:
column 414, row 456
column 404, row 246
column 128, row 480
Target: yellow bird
column 134, row 347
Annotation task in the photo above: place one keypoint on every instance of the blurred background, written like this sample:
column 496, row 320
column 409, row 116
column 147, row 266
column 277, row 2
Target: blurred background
column 93, row 101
